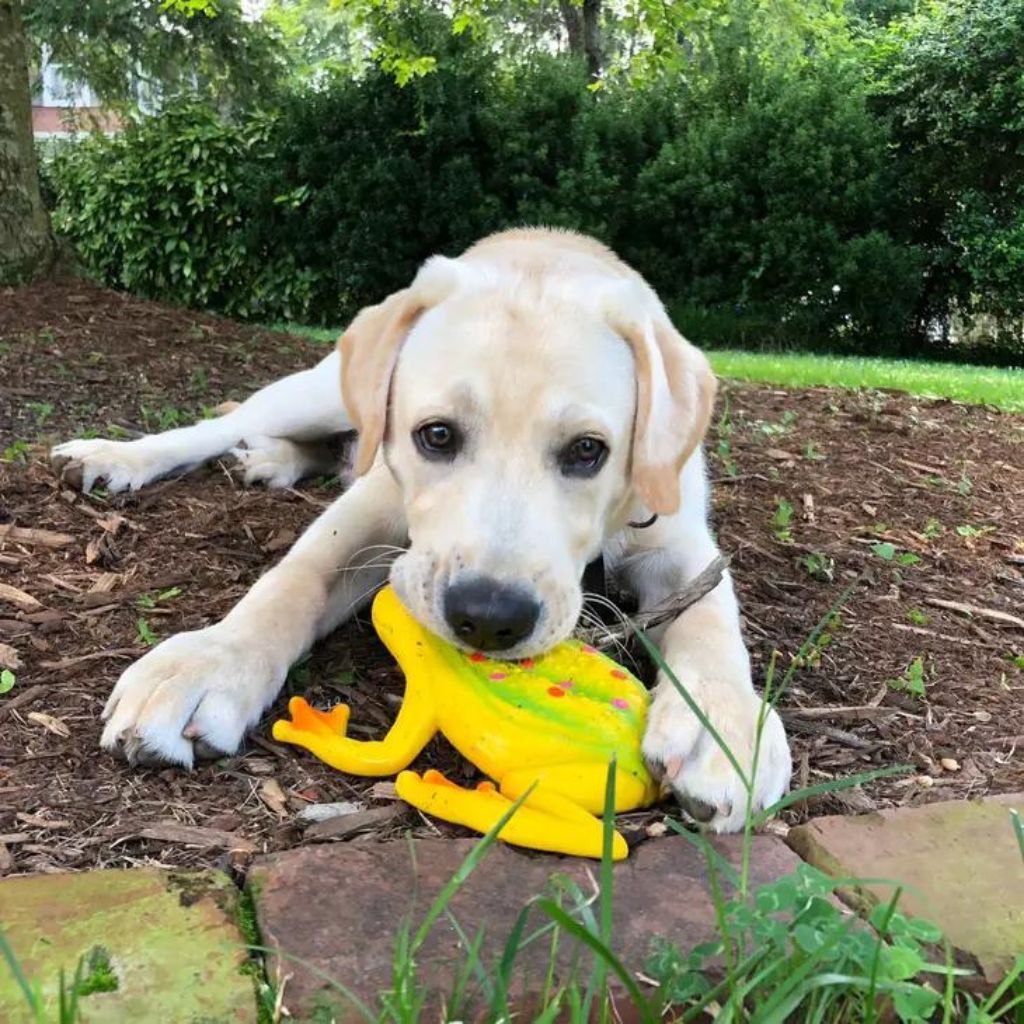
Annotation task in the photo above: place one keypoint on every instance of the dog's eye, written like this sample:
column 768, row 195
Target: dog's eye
column 583, row 457
column 437, row 440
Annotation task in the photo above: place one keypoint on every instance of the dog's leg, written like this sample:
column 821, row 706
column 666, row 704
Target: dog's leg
column 704, row 649
column 303, row 407
column 196, row 693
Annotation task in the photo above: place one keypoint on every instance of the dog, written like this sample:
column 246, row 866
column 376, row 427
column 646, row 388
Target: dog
column 520, row 410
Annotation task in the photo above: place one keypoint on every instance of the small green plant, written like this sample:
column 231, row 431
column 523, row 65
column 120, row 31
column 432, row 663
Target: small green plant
column 166, row 418
column 148, row 601
column 784, row 426
column 7, row 681
column 145, row 634
column 888, row 553
column 820, row 567
column 724, row 446
column 99, row 973
column 917, row 617
column 912, row 681
column 43, row 411
column 781, row 521
column 933, row 529
column 811, row 453
column 964, row 485
column 971, row 533
column 17, row 452
column 1016, row 659
column 199, row 380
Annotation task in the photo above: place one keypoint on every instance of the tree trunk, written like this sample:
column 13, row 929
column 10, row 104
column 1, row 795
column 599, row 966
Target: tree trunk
column 27, row 248
column 583, row 28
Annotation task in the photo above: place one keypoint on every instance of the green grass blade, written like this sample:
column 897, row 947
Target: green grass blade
column 598, row 980
column 337, row 986
column 465, row 869
column 883, row 930
column 812, row 638
column 578, row 932
column 32, row 997
column 832, row 786
column 1018, row 830
column 472, row 966
column 698, row 711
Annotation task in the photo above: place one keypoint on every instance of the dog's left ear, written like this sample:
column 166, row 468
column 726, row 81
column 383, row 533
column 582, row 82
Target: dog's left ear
column 370, row 347
column 675, row 393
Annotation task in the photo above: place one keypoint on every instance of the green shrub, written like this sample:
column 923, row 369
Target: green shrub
column 157, row 210
column 949, row 85
column 777, row 204
column 761, row 197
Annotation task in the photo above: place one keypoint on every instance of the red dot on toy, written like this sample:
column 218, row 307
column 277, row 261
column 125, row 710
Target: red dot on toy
column 527, row 663
column 566, row 684
column 477, row 657
column 587, row 649
column 620, row 704
column 618, row 674
column 496, row 676
column 556, row 691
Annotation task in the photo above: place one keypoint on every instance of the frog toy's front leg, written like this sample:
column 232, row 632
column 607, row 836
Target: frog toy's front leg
column 556, row 812
column 322, row 733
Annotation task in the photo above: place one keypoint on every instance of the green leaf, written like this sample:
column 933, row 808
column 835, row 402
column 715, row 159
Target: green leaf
column 884, row 550
column 7, row 680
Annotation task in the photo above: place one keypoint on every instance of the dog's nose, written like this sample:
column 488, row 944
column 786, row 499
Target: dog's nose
column 488, row 615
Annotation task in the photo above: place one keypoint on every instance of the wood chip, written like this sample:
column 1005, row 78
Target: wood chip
column 195, row 835
column 117, row 652
column 9, row 658
column 313, row 813
column 49, row 723
column 280, row 540
column 973, row 609
column 21, row 600
column 44, row 538
column 347, row 825
column 855, row 711
column 384, row 791
column 9, row 704
column 105, row 583
column 6, row 860
column 273, row 796
column 38, row 821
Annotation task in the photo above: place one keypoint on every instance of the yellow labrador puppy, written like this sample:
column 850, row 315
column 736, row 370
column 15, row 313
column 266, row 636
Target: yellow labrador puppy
column 517, row 408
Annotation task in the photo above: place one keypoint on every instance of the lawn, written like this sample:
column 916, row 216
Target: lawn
column 978, row 385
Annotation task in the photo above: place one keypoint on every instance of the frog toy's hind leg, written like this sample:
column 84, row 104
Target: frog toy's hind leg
column 322, row 733
column 547, row 819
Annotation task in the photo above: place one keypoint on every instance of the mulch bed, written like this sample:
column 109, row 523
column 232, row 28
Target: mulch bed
column 867, row 474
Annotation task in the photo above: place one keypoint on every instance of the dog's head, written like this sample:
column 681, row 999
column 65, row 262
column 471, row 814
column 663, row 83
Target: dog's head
column 522, row 421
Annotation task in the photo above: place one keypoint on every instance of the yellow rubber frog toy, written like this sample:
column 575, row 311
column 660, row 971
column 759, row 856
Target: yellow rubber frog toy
column 554, row 723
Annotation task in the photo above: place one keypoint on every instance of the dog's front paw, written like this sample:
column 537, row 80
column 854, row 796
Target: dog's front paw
column 680, row 751
column 273, row 461
column 191, row 697
column 120, row 465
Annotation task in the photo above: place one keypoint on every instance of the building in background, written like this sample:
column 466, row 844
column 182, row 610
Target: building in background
column 61, row 108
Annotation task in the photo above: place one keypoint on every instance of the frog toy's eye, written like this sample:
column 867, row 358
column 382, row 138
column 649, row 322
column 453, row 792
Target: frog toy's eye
column 437, row 440
column 583, row 457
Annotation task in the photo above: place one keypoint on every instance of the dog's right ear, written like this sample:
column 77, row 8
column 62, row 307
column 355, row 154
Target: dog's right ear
column 370, row 347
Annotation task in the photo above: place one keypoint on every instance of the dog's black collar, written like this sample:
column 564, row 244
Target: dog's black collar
column 644, row 524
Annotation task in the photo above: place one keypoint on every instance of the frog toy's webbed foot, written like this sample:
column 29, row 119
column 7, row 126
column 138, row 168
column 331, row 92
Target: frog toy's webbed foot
column 322, row 733
column 545, row 820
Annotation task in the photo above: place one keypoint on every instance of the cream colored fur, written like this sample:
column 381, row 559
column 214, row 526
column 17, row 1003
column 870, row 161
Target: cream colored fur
column 528, row 340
